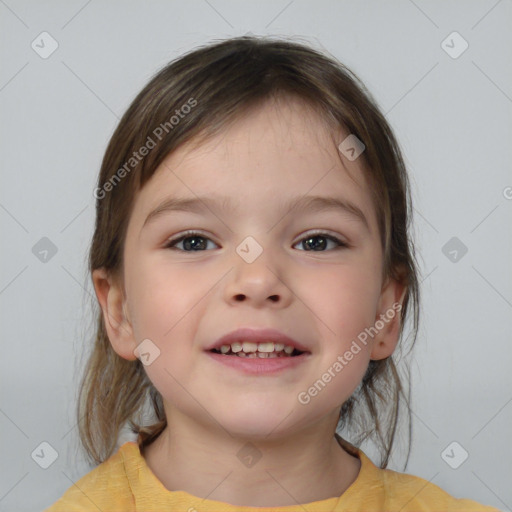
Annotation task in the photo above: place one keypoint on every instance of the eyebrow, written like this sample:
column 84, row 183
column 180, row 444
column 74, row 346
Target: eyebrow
column 303, row 203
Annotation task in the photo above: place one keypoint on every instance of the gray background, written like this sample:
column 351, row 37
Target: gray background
column 451, row 115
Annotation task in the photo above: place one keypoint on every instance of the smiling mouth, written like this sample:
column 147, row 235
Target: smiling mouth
column 257, row 354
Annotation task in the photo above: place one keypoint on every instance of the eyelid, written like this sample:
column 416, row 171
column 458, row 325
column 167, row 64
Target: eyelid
column 318, row 231
column 184, row 234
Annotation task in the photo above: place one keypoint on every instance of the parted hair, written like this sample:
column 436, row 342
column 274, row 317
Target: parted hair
column 195, row 97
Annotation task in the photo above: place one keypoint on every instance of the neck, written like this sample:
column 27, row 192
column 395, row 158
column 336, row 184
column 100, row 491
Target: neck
column 209, row 463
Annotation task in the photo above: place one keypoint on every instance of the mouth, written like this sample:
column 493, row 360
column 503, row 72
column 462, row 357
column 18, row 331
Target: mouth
column 256, row 360
column 265, row 350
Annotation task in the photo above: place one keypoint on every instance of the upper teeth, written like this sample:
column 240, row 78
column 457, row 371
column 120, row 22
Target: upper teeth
column 249, row 346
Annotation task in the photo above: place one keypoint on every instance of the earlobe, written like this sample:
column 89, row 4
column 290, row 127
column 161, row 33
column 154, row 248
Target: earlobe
column 388, row 319
column 113, row 305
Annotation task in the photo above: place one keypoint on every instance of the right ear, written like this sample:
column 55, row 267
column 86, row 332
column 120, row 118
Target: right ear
column 112, row 302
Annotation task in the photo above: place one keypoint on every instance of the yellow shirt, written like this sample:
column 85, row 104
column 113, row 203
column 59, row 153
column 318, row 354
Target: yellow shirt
column 125, row 483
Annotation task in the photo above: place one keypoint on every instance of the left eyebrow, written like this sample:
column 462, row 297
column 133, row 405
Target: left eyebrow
column 216, row 203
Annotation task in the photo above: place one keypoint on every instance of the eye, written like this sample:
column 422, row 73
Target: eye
column 193, row 240
column 319, row 240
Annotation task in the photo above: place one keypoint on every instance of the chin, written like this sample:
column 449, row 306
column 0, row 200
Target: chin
column 259, row 422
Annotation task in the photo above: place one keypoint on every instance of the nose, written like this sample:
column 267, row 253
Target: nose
column 260, row 283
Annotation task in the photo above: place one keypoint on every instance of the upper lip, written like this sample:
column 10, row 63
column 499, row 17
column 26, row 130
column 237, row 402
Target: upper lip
column 256, row 336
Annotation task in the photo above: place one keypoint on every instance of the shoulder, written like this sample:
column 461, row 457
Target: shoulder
column 414, row 493
column 394, row 491
column 105, row 488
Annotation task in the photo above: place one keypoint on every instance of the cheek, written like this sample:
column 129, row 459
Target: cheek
column 344, row 299
column 163, row 305
column 159, row 296
column 163, row 302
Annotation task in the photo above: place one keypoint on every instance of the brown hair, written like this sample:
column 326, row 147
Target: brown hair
column 195, row 97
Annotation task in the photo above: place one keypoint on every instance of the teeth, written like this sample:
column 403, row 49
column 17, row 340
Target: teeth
column 236, row 347
column 251, row 349
column 248, row 346
column 266, row 347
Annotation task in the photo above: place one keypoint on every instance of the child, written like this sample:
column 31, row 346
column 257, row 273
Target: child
column 252, row 262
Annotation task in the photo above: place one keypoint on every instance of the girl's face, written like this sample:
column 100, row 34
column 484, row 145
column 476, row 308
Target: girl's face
column 318, row 291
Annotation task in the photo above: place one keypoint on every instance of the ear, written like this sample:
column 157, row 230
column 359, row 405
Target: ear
column 388, row 317
column 117, row 323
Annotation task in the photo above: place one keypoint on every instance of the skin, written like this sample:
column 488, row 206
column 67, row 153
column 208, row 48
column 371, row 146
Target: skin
column 183, row 301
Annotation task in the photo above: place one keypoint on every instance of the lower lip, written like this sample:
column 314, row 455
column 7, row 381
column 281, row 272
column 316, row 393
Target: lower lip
column 259, row 365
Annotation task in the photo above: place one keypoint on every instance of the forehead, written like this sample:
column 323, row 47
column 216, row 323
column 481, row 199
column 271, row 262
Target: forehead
column 277, row 125
column 275, row 152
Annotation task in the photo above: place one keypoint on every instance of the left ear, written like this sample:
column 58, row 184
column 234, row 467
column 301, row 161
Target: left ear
column 388, row 317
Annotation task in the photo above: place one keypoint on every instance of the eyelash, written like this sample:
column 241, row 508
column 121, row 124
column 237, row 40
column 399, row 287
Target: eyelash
column 190, row 234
